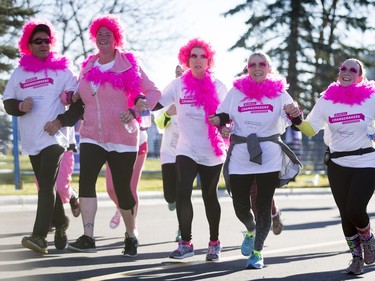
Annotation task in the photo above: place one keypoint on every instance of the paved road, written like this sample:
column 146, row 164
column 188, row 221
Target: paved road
column 311, row 247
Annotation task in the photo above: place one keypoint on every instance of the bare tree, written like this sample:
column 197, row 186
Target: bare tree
column 142, row 18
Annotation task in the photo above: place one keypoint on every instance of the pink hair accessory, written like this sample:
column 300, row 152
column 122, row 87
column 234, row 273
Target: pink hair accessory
column 205, row 95
column 27, row 31
column 270, row 88
column 184, row 53
column 352, row 94
column 111, row 22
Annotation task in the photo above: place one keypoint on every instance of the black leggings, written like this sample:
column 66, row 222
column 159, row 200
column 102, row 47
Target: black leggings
column 241, row 190
column 45, row 166
column 187, row 170
column 352, row 189
column 92, row 159
column 168, row 172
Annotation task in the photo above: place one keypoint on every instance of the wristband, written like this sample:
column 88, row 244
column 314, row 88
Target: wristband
column 295, row 120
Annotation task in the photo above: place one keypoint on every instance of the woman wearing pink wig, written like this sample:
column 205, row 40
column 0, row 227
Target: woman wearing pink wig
column 113, row 89
column 200, row 147
column 33, row 93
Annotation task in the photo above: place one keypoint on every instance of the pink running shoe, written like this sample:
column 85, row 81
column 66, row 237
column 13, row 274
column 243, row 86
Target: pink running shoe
column 115, row 221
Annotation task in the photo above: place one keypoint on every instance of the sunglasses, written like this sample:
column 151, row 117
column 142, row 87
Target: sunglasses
column 260, row 65
column 351, row 69
column 40, row 41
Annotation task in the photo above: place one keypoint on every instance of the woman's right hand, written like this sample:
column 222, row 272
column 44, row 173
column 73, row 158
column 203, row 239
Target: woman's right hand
column 26, row 105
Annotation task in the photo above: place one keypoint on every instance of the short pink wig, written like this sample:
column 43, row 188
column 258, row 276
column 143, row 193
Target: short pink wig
column 27, row 32
column 184, row 54
column 111, row 22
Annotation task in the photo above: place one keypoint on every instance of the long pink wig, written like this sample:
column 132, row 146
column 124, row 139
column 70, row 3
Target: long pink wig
column 184, row 53
column 111, row 22
column 28, row 28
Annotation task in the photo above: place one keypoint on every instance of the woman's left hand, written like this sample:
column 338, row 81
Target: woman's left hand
column 51, row 127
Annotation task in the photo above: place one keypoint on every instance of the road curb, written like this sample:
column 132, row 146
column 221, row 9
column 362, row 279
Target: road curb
column 11, row 200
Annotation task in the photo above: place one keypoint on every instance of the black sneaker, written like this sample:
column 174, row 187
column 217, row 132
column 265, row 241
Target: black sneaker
column 84, row 244
column 131, row 245
column 36, row 243
column 74, row 204
column 60, row 235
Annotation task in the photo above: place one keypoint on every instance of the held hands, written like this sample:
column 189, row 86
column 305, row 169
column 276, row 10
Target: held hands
column 225, row 132
column 52, row 127
column 171, row 110
column 126, row 116
column 142, row 103
column 292, row 110
column 214, row 120
column 26, row 105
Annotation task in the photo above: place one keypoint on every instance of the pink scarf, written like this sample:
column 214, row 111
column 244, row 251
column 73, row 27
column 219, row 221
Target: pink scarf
column 205, row 95
column 31, row 63
column 350, row 95
column 269, row 88
column 129, row 81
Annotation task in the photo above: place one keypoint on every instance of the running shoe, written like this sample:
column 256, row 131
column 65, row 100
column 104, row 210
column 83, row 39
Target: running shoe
column 61, row 240
column 184, row 250
column 74, row 204
column 115, row 221
column 172, row 206
column 277, row 225
column 355, row 266
column 247, row 244
column 369, row 250
column 36, row 243
column 255, row 261
column 131, row 245
column 84, row 244
column 214, row 252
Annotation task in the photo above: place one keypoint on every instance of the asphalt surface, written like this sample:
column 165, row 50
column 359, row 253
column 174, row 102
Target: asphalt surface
column 311, row 246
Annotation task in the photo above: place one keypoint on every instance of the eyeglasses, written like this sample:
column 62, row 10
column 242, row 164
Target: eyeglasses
column 40, row 41
column 351, row 69
column 260, row 65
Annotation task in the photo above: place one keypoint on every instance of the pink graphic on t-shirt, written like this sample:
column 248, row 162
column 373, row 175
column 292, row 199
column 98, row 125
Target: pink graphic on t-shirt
column 36, row 83
column 345, row 118
column 187, row 101
column 255, row 108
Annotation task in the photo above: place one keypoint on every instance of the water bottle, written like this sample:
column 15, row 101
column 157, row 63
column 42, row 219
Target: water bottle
column 146, row 118
column 61, row 139
column 131, row 126
column 371, row 132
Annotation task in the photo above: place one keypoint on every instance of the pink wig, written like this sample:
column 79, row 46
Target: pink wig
column 27, row 32
column 112, row 23
column 184, row 54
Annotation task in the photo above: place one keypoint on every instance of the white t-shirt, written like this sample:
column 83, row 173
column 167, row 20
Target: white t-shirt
column 44, row 87
column 193, row 139
column 265, row 119
column 345, row 129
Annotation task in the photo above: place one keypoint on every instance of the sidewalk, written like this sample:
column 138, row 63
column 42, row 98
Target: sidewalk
column 21, row 200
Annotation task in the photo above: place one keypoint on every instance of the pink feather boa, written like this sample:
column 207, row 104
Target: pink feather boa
column 129, row 81
column 205, row 95
column 350, row 95
column 31, row 63
column 269, row 88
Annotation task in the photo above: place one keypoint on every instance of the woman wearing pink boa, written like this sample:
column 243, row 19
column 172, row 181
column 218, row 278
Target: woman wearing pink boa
column 200, row 147
column 33, row 93
column 113, row 89
column 256, row 152
column 346, row 113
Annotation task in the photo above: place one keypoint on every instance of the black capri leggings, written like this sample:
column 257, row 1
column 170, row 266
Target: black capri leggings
column 92, row 159
column 352, row 189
